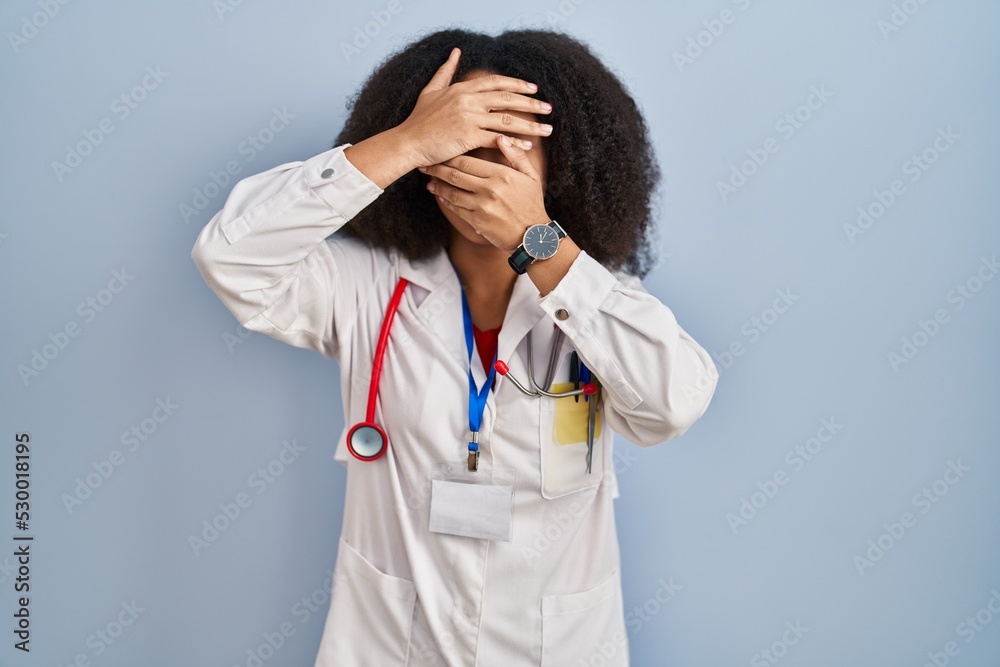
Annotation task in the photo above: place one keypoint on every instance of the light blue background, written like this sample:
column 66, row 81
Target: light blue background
column 165, row 334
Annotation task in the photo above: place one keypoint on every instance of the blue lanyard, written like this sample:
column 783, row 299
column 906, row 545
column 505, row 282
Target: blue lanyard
column 477, row 399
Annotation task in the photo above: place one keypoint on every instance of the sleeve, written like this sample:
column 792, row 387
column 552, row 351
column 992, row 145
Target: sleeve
column 657, row 381
column 267, row 257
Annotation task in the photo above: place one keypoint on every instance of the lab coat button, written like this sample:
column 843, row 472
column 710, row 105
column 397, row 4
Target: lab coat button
column 327, row 173
column 561, row 314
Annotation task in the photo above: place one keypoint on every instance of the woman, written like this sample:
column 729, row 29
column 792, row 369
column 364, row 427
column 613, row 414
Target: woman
column 484, row 532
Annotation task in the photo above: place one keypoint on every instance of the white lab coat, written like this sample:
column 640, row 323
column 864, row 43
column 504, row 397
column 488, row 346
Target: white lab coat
column 403, row 595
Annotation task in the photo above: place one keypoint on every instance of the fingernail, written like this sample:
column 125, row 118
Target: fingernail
column 505, row 140
column 431, row 186
column 533, row 86
column 546, row 128
column 546, row 106
column 526, row 143
column 422, row 168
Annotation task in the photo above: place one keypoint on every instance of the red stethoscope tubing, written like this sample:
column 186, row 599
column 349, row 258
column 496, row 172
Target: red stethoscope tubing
column 383, row 340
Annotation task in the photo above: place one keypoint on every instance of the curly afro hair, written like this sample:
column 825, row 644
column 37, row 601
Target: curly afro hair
column 601, row 171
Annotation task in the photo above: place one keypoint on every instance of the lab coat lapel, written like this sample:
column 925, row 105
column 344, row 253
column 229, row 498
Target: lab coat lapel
column 523, row 313
column 435, row 296
column 435, row 293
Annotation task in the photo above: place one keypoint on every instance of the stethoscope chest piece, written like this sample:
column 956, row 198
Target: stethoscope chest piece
column 367, row 441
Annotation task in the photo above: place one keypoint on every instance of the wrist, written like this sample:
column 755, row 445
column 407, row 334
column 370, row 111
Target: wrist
column 548, row 273
column 407, row 148
column 382, row 158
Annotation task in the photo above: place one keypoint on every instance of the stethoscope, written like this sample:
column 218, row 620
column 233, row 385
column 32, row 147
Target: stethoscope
column 367, row 441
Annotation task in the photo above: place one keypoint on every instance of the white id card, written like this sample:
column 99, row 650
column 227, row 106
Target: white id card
column 470, row 504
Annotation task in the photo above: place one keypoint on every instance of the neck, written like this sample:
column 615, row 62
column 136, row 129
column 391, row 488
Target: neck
column 482, row 269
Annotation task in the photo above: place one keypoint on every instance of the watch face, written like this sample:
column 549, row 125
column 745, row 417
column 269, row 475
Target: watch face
column 541, row 241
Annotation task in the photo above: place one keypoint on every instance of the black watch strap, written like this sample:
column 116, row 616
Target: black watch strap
column 560, row 232
column 519, row 260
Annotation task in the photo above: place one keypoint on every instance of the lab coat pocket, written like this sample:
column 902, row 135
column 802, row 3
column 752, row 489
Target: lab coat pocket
column 579, row 627
column 366, row 603
column 563, row 437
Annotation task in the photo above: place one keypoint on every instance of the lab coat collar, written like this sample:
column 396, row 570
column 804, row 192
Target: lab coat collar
column 440, row 308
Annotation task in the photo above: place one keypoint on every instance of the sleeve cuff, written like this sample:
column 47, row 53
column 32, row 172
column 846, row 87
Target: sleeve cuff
column 339, row 183
column 578, row 295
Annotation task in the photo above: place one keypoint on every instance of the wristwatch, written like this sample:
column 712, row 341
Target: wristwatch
column 540, row 242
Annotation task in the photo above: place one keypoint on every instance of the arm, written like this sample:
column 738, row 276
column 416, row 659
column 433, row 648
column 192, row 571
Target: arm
column 266, row 256
column 658, row 381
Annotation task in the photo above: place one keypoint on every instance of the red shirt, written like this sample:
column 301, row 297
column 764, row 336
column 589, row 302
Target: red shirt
column 486, row 341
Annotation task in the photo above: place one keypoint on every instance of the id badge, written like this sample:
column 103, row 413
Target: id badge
column 472, row 504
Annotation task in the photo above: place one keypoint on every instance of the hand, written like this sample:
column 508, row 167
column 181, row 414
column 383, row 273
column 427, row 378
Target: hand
column 451, row 119
column 500, row 202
